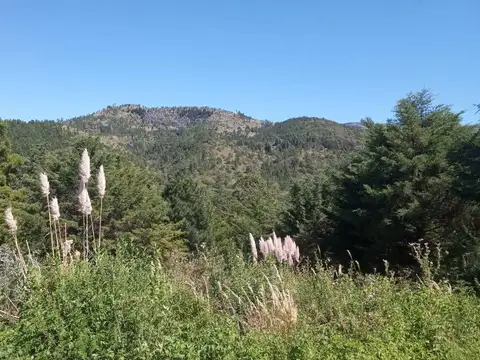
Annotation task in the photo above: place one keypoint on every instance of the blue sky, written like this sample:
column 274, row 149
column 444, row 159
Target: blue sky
column 273, row 60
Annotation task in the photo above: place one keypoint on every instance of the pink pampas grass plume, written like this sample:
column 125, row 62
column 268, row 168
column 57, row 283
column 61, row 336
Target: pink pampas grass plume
column 263, row 246
column 271, row 246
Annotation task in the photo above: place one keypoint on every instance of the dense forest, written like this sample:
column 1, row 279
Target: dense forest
column 385, row 202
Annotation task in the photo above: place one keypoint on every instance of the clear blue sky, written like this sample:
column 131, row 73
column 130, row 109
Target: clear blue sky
column 269, row 59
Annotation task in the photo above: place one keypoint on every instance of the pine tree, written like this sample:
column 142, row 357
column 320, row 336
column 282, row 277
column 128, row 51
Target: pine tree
column 397, row 190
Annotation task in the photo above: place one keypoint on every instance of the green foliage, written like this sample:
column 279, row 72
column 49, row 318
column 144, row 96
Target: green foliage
column 190, row 203
column 199, row 180
column 129, row 210
column 45, row 135
column 397, row 190
column 125, row 308
column 334, row 187
column 301, row 147
column 13, row 194
column 306, row 216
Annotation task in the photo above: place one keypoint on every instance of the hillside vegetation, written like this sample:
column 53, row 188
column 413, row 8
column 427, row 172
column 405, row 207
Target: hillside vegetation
column 134, row 240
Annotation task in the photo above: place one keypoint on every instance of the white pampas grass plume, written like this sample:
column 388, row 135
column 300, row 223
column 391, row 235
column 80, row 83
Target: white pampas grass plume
column 84, row 202
column 253, row 247
column 44, row 184
column 297, row 255
column 66, row 248
column 10, row 221
column 84, row 169
column 55, row 209
column 101, row 182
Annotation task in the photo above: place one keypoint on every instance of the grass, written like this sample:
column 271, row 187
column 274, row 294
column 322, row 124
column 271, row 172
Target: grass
column 205, row 308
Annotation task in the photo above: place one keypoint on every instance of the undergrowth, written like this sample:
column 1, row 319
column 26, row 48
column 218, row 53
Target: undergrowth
column 205, row 308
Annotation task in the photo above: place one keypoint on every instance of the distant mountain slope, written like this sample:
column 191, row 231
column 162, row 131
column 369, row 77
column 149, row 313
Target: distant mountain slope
column 308, row 133
column 122, row 119
column 217, row 146
column 357, row 125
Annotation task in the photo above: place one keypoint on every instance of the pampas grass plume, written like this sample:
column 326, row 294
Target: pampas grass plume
column 84, row 169
column 101, row 182
column 270, row 246
column 10, row 221
column 44, row 184
column 262, row 244
column 84, row 202
column 66, row 248
column 55, row 209
column 253, row 247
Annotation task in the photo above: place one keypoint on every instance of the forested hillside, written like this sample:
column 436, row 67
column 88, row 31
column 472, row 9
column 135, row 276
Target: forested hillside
column 386, row 203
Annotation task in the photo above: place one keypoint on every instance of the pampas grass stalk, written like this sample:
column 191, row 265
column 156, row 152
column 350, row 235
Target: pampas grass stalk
column 12, row 228
column 101, row 193
column 93, row 232
column 84, row 198
column 55, row 211
column 66, row 249
column 45, row 187
column 86, row 210
column 253, row 247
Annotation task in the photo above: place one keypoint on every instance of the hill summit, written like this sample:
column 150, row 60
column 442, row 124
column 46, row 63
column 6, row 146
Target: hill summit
column 115, row 118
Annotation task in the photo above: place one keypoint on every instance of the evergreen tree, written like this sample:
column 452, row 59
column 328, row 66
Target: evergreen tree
column 191, row 206
column 397, row 191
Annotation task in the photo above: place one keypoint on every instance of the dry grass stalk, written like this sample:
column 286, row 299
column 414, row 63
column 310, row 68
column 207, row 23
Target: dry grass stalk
column 45, row 188
column 86, row 210
column 66, row 250
column 55, row 211
column 272, row 310
column 12, row 228
column 101, row 192
column 253, row 248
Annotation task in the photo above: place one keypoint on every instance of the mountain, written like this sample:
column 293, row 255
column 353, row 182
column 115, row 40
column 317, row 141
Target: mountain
column 214, row 145
column 357, row 125
column 124, row 118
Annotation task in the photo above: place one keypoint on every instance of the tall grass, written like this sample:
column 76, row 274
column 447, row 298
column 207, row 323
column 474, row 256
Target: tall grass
column 207, row 308
column 45, row 188
column 102, row 184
